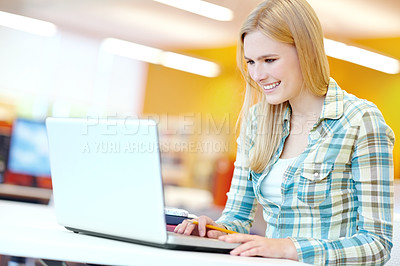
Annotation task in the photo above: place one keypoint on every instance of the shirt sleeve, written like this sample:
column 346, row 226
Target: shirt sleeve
column 241, row 205
column 372, row 172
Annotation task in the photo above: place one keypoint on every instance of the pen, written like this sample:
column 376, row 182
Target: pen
column 209, row 226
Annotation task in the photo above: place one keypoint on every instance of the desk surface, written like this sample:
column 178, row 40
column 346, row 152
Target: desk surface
column 31, row 230
column 16, row 192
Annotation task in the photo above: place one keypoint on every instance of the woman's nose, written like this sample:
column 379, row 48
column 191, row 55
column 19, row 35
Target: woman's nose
column 259, row 73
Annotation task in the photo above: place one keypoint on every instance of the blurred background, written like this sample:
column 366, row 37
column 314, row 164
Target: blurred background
column 161, row 60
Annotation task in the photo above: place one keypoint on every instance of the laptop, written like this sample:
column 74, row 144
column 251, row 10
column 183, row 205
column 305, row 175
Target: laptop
column 106, row 176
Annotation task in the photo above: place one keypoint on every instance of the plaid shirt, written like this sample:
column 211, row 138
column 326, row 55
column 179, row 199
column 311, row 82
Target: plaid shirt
column 337, row 196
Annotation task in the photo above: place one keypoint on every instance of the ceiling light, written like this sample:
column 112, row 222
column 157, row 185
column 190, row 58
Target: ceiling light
column 201, row 8
column 190, row 64
column 361, row 57
column 26, row 24
column 132, row 50
column 160, row 57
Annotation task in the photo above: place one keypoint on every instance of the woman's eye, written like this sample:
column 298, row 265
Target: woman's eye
column 250, row 62
column 270, row 60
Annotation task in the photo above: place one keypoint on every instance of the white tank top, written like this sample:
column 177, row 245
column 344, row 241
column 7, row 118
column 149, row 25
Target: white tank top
column 271, row 185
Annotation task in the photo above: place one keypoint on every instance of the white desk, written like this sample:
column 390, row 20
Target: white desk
column 31, row 230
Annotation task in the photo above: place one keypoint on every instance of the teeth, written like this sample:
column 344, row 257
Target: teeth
column 271, row 86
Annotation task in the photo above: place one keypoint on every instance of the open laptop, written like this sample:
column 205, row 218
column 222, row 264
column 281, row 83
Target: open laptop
column 106, row 176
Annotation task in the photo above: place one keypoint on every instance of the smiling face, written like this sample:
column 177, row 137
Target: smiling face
column 274, row 66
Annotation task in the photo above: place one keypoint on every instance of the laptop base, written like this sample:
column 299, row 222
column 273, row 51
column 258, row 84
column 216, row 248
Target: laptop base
column 158, row 245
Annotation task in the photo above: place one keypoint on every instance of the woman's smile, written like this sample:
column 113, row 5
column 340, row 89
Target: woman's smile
column 271, row 87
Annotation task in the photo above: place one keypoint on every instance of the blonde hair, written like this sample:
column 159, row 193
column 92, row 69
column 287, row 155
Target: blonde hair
column 292, row 22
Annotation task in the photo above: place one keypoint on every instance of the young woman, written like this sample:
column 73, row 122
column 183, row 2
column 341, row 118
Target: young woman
column 317, row 159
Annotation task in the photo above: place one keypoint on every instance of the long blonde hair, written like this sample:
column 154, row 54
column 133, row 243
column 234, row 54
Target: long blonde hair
column 292, row 22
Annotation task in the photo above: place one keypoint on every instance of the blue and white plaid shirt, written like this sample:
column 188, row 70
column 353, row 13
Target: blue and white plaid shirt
column 337, row 196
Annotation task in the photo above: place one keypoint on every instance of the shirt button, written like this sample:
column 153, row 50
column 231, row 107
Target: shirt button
column 316, row 174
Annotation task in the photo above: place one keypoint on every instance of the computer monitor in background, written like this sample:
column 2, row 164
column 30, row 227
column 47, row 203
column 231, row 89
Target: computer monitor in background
column 28, row 160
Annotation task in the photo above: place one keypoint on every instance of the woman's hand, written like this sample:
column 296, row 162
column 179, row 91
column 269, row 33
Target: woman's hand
column 253, row 245
column 188, row 228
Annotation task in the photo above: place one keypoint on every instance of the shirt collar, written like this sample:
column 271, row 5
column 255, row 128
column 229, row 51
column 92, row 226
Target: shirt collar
column 287, row 114
column 333, row 104
column 332, row 108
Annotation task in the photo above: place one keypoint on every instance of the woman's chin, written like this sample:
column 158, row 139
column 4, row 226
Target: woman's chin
column 274, row 100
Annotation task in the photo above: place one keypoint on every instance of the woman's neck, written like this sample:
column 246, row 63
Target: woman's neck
column 307, row 106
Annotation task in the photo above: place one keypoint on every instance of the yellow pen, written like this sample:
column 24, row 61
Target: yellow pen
column 209, row 226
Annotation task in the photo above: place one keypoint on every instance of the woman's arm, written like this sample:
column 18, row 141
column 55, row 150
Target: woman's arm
column 240, row 207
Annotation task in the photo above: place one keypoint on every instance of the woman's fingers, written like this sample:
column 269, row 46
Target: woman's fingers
column 214, row 234
column 253, row 245
column 203, row 221
column 250, row 248
column 237, row 238
column 186, row 227
column 189, row 229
